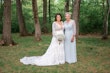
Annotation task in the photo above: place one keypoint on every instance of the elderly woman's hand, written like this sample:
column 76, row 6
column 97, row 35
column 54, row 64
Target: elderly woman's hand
column 72, row 39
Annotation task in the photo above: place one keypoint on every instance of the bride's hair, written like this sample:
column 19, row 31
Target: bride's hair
column 56, row 16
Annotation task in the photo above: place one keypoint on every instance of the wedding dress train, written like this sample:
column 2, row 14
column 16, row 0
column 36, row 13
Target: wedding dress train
column 54, row 54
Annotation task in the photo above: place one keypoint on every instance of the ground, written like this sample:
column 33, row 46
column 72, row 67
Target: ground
column 92, row 52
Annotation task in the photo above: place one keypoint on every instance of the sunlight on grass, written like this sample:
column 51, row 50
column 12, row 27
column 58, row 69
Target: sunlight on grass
column 93, row 56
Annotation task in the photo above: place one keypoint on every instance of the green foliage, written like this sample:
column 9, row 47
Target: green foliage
column 1, row 16
column 91, row 15
column 14, row 19
column 28, row 16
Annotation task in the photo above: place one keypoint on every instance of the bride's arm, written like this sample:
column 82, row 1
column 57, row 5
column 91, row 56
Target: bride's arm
column 53, row 29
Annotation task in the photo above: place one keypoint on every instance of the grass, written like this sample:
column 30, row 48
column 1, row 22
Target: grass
column 92, row 52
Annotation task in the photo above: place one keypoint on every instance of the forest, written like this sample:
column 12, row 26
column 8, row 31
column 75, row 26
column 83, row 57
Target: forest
column 29, row 17
column 26, row 29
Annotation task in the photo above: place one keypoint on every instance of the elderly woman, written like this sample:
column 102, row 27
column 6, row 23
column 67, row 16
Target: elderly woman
column 70, row 40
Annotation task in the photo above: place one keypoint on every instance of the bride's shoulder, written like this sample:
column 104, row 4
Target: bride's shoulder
column 54, row 22
column 62, row 22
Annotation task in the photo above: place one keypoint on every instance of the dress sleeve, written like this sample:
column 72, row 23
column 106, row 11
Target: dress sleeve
column 74, row 28
column 64, row 27
column 53, row 29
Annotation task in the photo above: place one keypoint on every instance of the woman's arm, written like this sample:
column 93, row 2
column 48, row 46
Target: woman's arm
column 53, row 29
column 74, row 31
column 74, row 28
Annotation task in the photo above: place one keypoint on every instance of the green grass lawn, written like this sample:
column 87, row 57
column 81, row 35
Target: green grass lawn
column 92, row 52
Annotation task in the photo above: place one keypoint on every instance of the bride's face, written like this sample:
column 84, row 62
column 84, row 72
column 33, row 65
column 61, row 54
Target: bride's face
column 58, row 17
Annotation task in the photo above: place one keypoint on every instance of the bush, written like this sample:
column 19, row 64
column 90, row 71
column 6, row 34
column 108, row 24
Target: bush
column 91, row 19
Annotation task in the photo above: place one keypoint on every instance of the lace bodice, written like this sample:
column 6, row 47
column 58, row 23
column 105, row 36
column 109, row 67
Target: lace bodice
column 56, row 27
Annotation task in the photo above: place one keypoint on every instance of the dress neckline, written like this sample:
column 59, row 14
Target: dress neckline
column 59, row 24
column 69, row 21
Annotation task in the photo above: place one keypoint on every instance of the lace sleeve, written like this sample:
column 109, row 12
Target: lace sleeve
column 74, row 28
column 53, row 29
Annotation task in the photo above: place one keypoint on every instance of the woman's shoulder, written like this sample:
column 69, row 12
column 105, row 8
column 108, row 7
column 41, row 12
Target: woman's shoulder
column 62, row 21
column 56, row 22
column 72, row 20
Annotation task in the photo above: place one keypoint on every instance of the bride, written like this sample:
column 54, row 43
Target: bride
column 55, row 52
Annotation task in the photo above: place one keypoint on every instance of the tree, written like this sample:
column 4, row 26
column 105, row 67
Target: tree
column 76, row 12
column 106, row 17
column 44, row 11
column 44, row 29
column 67, row 5
column 7, row 23
column 22, row 27
column 1, row 11
column 72, row 5
column 49, row 9
column 36, row 20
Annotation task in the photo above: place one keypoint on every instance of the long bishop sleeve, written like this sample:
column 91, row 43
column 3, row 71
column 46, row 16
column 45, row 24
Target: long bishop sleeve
column 53, row 29
column 74, row 28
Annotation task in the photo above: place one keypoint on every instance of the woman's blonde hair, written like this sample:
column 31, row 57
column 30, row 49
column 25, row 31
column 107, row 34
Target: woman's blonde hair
column 68, row 13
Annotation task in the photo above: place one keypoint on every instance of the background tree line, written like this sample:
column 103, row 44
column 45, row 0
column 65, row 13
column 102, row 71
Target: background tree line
column 36, row 16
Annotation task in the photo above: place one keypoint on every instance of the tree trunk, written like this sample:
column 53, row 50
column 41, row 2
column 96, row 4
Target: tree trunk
column 72, row 6
column 49, row 11
column 1, row 12
column 44, row 29
column 103, row 7
column 76, row 13
column 36, row 20
column 44, row 11
column 22, row 27
column 7, row 23
column 105, row 23
column 67, row 5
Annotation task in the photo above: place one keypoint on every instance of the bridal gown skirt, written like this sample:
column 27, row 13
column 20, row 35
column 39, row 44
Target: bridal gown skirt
column 53, row 56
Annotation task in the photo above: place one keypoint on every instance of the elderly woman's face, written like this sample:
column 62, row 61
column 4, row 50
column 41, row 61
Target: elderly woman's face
column 67, row 16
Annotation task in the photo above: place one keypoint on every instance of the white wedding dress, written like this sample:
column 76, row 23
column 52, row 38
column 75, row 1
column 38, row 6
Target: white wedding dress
column 54, row 54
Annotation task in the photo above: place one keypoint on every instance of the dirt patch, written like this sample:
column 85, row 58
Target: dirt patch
column 0, row 70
